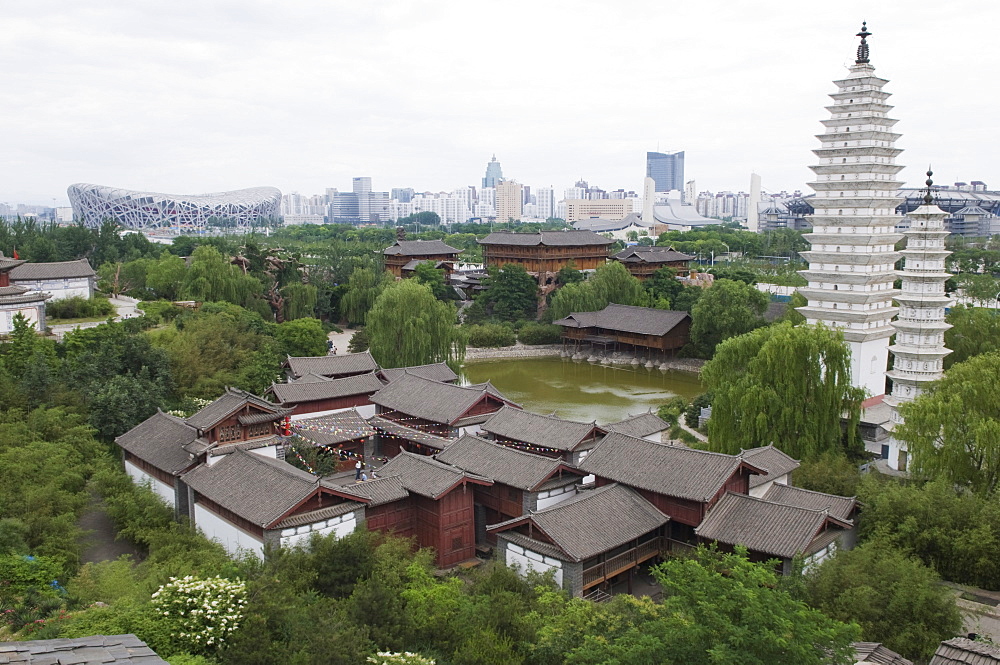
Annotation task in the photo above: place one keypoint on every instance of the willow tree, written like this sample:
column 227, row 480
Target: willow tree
column 363, row 288
column 727, row 309
column 408, row 326
column 953, row 429
column 785, row 385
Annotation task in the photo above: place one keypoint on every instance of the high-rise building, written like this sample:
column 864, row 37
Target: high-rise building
column 362, row 185
column 666, row 169
column 509, row 201
column 853, row 240
column 545, row 202
column 401, row 194
column 919, row 350
column 494, row 174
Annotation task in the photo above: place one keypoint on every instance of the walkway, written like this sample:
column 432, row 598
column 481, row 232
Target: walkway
column 99, row 538
column 124, row 306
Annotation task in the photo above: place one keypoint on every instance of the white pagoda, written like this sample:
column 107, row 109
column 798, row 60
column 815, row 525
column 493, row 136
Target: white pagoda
column 852, row 256
column 919, row 350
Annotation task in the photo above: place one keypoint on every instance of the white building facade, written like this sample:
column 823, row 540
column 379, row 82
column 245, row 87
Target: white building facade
column 851, row 260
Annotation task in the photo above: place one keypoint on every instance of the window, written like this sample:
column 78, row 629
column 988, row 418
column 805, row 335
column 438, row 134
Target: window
column 230, row 433
column 457, row 544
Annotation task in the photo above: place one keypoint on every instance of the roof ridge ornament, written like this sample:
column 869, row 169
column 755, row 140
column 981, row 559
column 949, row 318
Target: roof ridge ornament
column 863, row 47
column 928, row 197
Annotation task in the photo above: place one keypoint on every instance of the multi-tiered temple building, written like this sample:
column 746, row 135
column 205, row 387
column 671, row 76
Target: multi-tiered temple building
column 852, row 255
column 919, row 350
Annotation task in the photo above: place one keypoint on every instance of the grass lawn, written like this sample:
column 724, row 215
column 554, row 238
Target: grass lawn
column 86, row 319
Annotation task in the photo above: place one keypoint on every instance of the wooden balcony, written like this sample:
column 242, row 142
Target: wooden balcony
column 622, row 562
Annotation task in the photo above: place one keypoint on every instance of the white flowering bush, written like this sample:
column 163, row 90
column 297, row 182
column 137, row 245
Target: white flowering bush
column 202, row 613
column 404, row 658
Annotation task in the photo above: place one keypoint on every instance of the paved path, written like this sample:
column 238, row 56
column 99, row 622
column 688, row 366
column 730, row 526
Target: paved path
column 99, row 542
column 125, row 307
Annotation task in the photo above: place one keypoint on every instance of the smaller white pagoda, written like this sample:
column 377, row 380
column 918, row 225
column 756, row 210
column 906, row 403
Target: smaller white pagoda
column 919, row 350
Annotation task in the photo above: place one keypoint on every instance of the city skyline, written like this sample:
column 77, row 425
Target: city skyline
column 223, row 96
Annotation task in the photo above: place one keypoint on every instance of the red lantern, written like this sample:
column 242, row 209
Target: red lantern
column 286, row 426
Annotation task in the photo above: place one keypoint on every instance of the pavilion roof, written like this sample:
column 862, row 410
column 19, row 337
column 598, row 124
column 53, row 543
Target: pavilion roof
column 536, row 429
column 574, row 238
column 654, row 254
column 348, row 363
column 318, row 387
column 627, row 318
column 840, row 507
column 334, row 429
column 57, row 270
column 231, row 401
column 426, row 476
column 419, row 248
column 504, row 465
column 434, row 371
column 160, row 441
column 432, row 400
column 640, row 425
column 770, row 459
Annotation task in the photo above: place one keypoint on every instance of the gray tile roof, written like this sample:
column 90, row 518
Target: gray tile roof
column 256, row 488
column 316, row 515
column 252, row 444
column 93, row 650
column 550, row 238
column 594, row 521
column 655, row 254
column 626, row 318
column 762, row 526
column 419, row 248
column 539, row 430
column 349, row 363
column 297, row 392
column 770, row 459
column 409, row 433
column 875, row 653
column 334, row 428
column 840, row 507
column 231, row 401
column 6, row 263
column 548, row 549
column 426, row 476
column 504, row 465
column 640, row 425
column 962, row 651
column 412, row 265
column 58, row 270
column 379, row 490
column 677, row 471
column 435, row 372
column 160, row 440
column 431, row 400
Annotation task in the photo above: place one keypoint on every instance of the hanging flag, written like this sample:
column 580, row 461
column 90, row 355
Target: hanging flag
column 15, row 255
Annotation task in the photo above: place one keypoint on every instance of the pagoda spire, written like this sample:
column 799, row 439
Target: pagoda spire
column 863, row 46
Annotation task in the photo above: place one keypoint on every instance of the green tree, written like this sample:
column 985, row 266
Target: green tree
column 579, row 297
column 687, row 298
column 123, row 402
column 953, row 429
column 165, row 275
column 727, row 309
column 300, row 300
column 301, row 337
column 568, row 274
column 511, row 293
column 663, row 284
column 433, row 278
column 974, row 330
column 408, row 326
column 363, row 288
column 613, row 283
column 895, row 598
column 211, row 277
column 831, row 472
column 783, row 385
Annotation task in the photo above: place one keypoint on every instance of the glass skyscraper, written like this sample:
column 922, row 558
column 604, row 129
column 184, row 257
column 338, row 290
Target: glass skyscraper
column 666, row 170
column 493, row 173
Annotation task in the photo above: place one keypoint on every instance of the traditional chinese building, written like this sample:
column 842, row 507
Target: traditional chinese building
column 634, row 328
column 15, row 299
column 547, row 251
column 345, row 433
column 62, row 279
column 648, row 426
column 333, row 367
column 315, row 395
column 644, row 261
column 404, row 256
column 777, row 465
column 548, row 436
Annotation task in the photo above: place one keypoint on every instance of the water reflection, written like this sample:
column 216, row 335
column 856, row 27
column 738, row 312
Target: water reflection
column 579, row 390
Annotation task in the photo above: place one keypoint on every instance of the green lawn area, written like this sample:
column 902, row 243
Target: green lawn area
column 86, row 319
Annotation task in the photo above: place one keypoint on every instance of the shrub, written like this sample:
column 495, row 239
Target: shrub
column 203, row 612
column 162, row 310
column 78, row 307
column 491, row 335
column 672, row 410
column 359, row 341
column 539, row 333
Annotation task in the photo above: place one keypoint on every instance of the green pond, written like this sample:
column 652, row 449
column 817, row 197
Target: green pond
column 579, row 390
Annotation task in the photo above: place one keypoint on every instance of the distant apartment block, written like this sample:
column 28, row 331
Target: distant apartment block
column 509, row 201
column 666, row 170
column 577, row 209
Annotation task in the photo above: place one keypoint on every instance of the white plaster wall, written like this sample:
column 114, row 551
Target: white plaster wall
column 655, row 437
column 266, row 451
column 140, row 477
column 525, row 559
column 558, row 495
column 869, row 361
column 7, row 317
column 227, row 534
column 365, row 411
column 761, row 490
column 59, row 288
column 471, row 429
column 341, row 526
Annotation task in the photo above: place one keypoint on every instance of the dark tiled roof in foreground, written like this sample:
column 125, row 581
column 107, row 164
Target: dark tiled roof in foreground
column 349, row 363
column 875, row 653
column 962, row 651
column 435, row 372
column 160, row 440
column 256, row 488
column 419, row 248
column 840, row 507
column 334, row 428
column 536, row 429
column 626, row 318
column 639, row 426
column 670, row 470
column 379, row 491
column 763, row 526
column 431, row 400
column 393, row 428
column 58, row 270
column 770, row 459
column 311, row 390
column 93, row 650
column 594, row 521
column 426, row 476
column 231, row 401
column 655, row 254
column 508, row 466
column 550, row 238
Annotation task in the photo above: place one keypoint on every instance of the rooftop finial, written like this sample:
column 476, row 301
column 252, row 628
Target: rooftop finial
column 863, row 47
column 928, row 197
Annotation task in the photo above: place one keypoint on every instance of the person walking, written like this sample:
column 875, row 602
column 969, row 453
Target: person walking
column 357, row 469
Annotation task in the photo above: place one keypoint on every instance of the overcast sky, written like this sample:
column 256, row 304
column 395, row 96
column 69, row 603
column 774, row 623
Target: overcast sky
column 194, row 96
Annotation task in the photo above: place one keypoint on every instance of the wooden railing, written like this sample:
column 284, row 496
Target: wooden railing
column 622, row 562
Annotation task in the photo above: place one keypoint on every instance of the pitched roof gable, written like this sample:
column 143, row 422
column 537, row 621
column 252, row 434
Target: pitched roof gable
column 840, row 507
column 348, row 363
column 57, row 270
column 640, row 425
column 433, row 400
column 764, row 526
column 419, row 248
column 334, row 428
column 435, row 372
column 378, row 491
column 508, row 466
column 574, row 238
column 297, row 392
column 770, row 459
column 963, row 651
column 160, row 441
column 229, row 403
column 627, row 318
column 594, row 521
column 655, row 254
column 539, row 430
column 427, row 476
column 678, row 471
